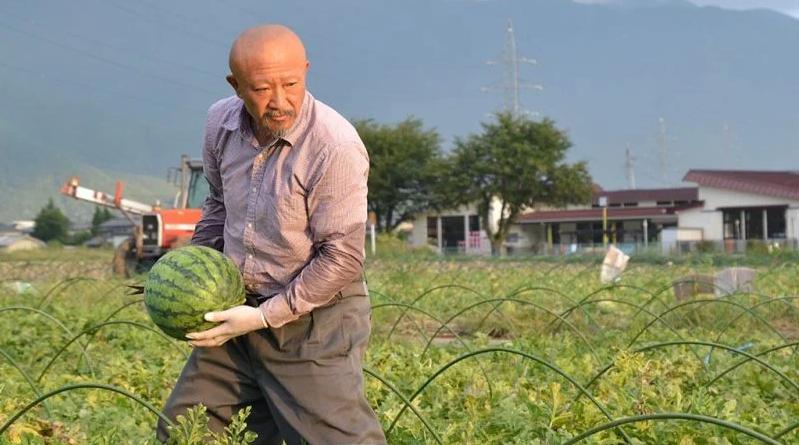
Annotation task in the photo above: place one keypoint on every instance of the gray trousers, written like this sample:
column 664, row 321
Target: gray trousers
column 303, row 380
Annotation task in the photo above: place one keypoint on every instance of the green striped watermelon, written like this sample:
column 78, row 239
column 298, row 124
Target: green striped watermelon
column 186, row 283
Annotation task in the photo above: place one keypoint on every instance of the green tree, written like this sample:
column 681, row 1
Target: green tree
column 100, row 216
column 405, row 164
column 51, row 224
column 514, row 164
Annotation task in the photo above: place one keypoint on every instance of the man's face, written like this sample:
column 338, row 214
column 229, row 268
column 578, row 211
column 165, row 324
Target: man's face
column 272, row 87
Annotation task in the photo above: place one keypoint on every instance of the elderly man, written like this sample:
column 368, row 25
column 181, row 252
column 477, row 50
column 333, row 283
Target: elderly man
column 287, row 203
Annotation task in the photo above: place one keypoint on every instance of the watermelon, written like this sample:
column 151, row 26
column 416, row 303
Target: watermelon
column 186, row 283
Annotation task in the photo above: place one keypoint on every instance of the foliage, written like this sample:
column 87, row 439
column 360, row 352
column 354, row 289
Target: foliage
column 51, row 223
column 192, row 429
column 515, row 164
column 78, row 238
column 405, row 163
column 493, row 398
column 101, row 215
column 705, row 246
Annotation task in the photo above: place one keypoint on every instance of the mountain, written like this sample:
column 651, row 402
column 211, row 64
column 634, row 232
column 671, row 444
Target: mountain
column 123, row 86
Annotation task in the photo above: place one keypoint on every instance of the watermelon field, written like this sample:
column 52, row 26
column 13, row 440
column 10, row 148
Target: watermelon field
column 463, row 351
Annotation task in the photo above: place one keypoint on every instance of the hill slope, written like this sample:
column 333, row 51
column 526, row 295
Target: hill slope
column 133, row 81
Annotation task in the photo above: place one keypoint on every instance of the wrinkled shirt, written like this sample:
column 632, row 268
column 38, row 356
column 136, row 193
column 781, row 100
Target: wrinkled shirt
column 290, row 214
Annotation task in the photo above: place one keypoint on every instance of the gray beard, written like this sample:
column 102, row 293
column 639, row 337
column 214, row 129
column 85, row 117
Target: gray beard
column 279, row 133
column 272, row 133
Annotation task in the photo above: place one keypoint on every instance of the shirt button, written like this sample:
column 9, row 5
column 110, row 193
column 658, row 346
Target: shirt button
column 249, row 256
column 249, row 225
column 253, row 189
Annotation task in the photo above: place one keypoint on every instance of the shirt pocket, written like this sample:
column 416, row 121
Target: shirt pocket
column 290, row 198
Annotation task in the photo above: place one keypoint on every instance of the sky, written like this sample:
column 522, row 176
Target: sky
column 790, row 7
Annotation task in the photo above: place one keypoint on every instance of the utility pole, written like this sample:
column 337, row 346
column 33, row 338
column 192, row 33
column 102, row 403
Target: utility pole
column 512, row 84
column 629, row 165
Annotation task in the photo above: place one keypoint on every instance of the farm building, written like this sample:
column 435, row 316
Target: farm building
column 725, row 207
column 457, row 230
column 634, row 217
column 742, row 205
column 11, row 242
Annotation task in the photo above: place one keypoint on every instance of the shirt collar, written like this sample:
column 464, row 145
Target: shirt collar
column 239, row 120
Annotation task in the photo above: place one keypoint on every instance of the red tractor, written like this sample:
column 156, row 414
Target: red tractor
column 155, row 230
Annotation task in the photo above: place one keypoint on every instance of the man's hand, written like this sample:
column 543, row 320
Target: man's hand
column 235, row 321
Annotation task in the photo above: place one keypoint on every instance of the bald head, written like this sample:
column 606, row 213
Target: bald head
column 277, row 43
column 267, row 69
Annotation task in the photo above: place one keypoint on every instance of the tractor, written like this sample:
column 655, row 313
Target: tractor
column 156, row 230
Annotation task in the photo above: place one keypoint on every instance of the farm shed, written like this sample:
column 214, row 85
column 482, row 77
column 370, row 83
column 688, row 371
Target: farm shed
column 745, row 205
column 10, row 242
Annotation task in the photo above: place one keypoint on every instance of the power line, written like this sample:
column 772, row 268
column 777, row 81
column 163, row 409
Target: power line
column 141, row 54
column 94, row 88
column 102, row 59
column 152, row 19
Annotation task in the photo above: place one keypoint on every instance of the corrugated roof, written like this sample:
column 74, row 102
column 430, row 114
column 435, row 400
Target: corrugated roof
column 688, row 194
column 615, row 213
column 781, row 184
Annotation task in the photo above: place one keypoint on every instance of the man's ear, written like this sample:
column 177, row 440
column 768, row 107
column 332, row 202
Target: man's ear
column 231, row 79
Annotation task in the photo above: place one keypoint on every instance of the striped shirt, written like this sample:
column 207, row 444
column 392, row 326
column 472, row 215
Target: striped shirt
column 292, row 213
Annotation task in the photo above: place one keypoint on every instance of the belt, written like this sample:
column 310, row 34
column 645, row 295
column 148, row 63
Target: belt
column 355, row 289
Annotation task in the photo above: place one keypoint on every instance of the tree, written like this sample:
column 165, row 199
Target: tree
column 100, row 216
column 405, row 164
column 514, row 164
column 51, row 224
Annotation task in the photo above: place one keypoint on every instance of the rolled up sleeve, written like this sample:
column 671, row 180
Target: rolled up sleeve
column 337, row 220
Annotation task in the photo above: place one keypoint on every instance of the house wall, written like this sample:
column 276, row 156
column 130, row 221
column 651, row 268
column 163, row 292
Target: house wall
column 716, row 198
column 792, row 223
column 709, row 221
column 419, row 232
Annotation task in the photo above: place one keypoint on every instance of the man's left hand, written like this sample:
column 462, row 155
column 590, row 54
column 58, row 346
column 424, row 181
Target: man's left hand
column 235, row 321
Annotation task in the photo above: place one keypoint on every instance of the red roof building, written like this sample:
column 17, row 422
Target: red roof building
column 743, row 205
column 633, row 216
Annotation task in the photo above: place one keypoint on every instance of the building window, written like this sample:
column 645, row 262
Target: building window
column 776, row 222
column 630, row 204
column 754, row 222
column 474, row 223
column 453, row 236
column 432, row 230
column 589, row 232
column 555, row 230
column 663, row 203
